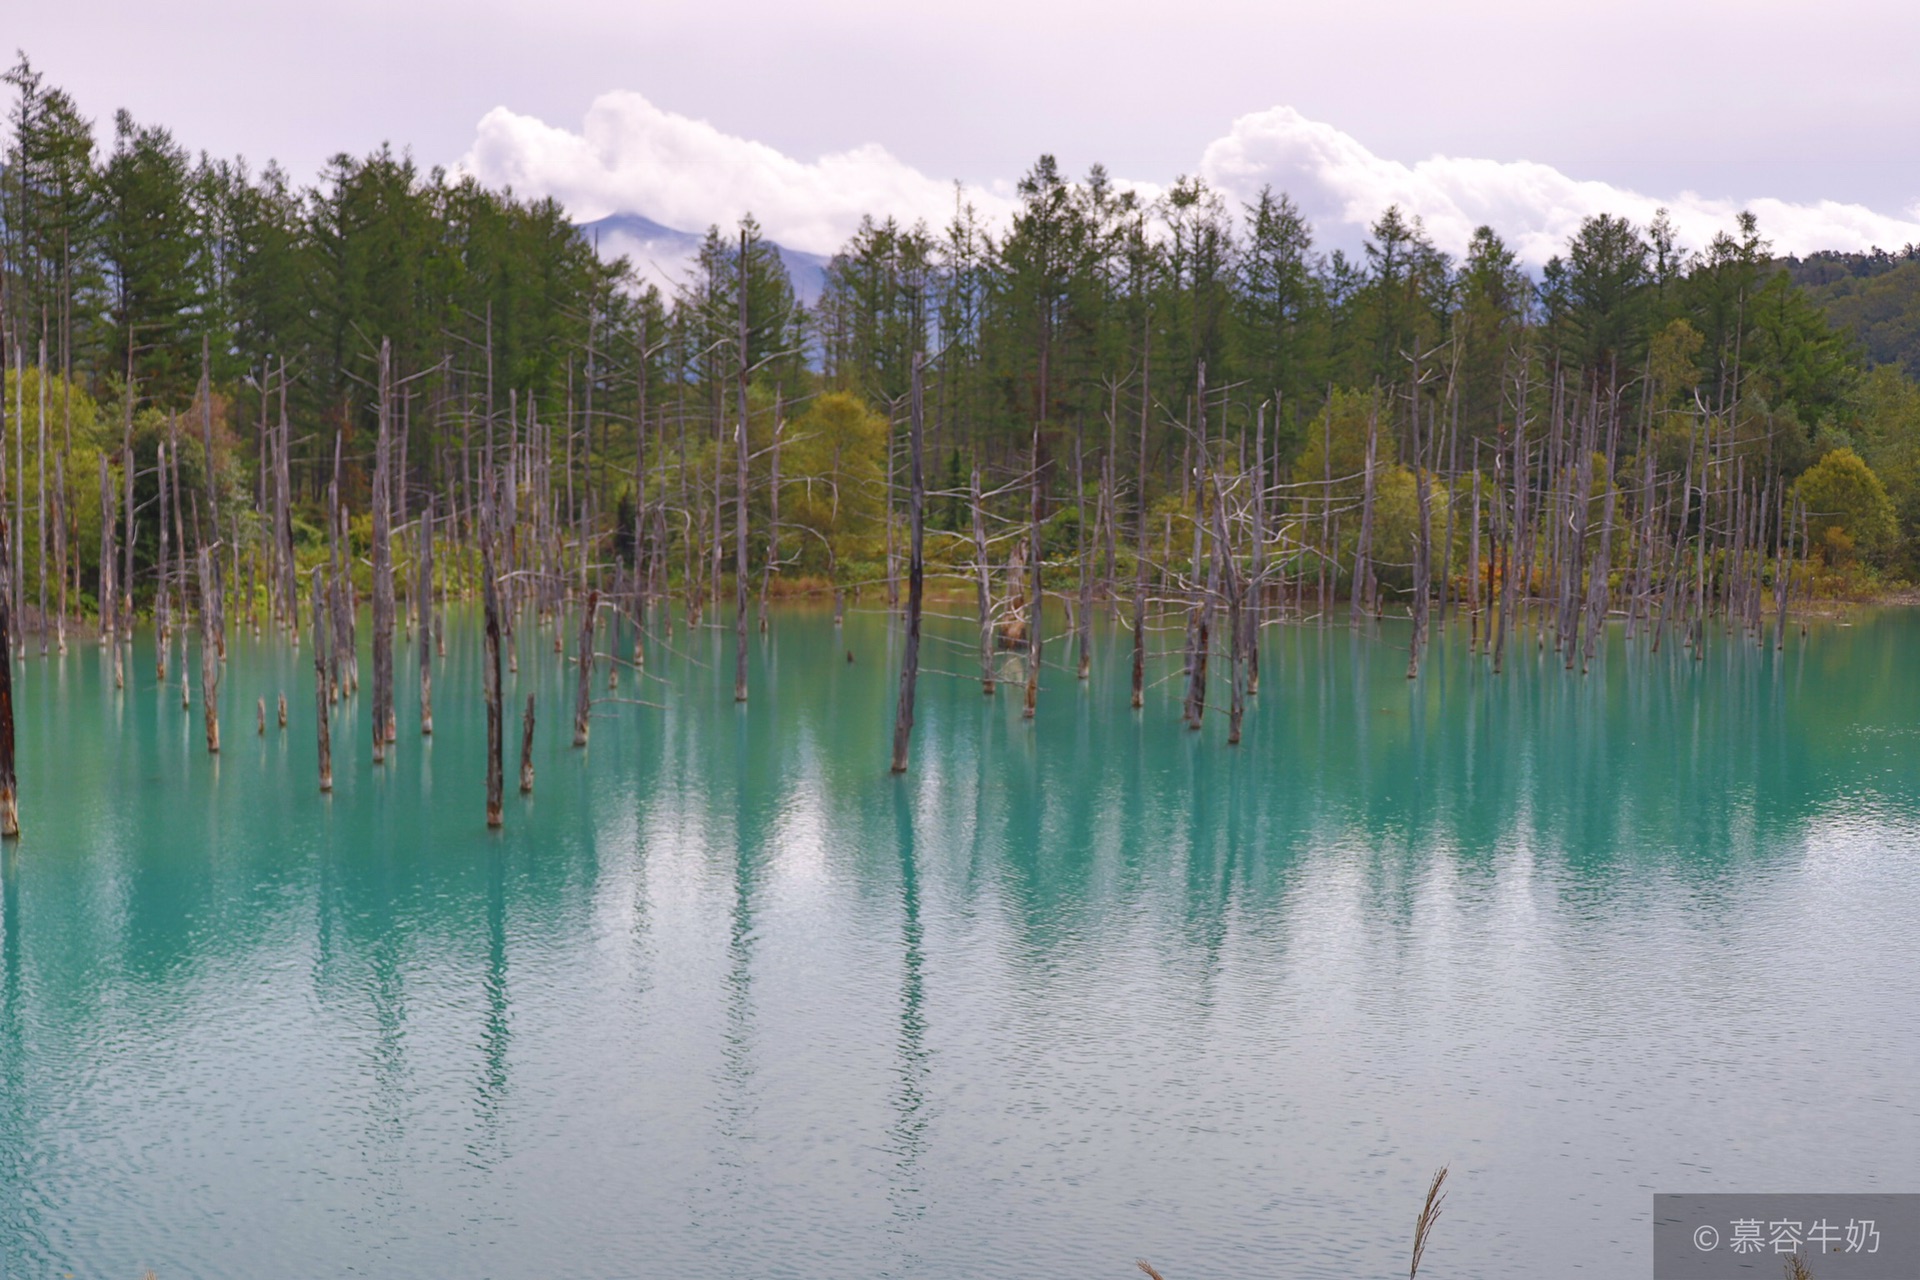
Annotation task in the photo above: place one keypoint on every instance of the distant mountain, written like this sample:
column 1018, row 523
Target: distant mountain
column 665, row 254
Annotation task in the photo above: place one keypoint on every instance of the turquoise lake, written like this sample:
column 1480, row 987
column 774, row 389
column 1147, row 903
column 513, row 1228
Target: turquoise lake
column 724, row 998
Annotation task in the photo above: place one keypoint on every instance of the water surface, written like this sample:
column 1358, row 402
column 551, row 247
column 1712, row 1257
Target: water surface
column 726, row 999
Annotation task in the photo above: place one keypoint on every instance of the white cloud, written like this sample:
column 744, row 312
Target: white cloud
column 631, row 156
column 1343, row 187
column 666, row 261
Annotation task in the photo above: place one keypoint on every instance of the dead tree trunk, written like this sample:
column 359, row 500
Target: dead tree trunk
column 1670, row 600
column 1361, row 587
column 162, row 623
column 893, row 553
column 1423, row 534
column 282, row 510
column 1140, row 535
column 125, row 580
column 983, row 585
column 336, row 651
column 773, row 511
column 1473, row 558
column 1192, row 643
column 179, row 502
column 583, row 697
column 1255, row 605
column 206, row 444
column 642, row 553
column 1199, row 627
column 526, row 750
column 13, row 373
column 9, row 787
column 40, row 512
column 1782, row 576
column 1453, row 482
column 209, row 647
column 916, row 573
column 424, row 603
column 1083, row 620
column 1640, row 583
column 109, row 515
column 1597, row 577
column 1698, row 643
column 17, row 565
column 1233, row 587
column 1512, row 559
column 740, row 505
column 60, row 549
column 490, row 668
column 111, row 620
column 1034, row 613
column 383, row 606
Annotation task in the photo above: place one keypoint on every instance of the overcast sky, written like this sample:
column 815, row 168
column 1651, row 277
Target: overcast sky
column 1519, row 112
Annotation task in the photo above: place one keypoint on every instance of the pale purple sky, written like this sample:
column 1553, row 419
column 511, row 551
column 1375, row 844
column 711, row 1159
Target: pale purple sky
column 1703, row 106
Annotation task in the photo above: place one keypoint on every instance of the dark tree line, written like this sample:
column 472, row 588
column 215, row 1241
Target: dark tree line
column 1107, row 368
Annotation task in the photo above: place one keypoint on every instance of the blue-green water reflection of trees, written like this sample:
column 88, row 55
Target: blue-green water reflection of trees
column 725, row 998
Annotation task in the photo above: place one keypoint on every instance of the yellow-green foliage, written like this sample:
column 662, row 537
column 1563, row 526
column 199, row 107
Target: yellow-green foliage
column 833, row 476
column 1396, row 523
column 1396, row 517
column 75, row 435
column 1170, row 529
column 1343, row 424
column 64, row 408
column 1848, row 511
column 1671, row 366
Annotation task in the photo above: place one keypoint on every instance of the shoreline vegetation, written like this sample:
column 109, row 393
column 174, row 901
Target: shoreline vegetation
column 227, row 400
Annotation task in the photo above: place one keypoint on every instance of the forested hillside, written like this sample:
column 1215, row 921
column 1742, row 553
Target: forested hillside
column 1873, row 296
column 1095, row 369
